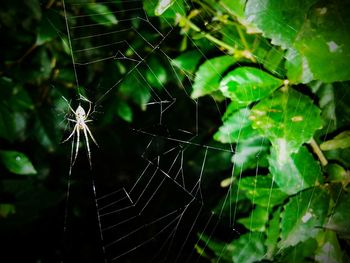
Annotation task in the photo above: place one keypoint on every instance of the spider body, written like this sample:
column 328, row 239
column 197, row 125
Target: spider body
column 81, row 118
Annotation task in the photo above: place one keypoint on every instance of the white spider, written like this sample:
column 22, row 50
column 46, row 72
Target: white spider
column 81, row 118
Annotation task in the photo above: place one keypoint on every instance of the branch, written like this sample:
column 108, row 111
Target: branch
column 318, row 152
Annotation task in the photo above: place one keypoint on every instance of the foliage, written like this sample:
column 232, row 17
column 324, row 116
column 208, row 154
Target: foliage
column 279, row 68
column 270, row 105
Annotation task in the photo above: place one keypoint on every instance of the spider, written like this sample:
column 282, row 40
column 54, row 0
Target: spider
column 81, row 118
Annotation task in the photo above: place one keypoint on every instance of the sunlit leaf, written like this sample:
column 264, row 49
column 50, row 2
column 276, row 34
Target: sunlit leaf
column 162, row 6
column 303, row 216
column 166, row 9
column 261, row 190
column 294, row 172
column 257, row 219
column 247, row 84
column 235, row 128
column 318, row 39
column 17, row 163
column 101, row 14
column 276, row 24
column 288, row 118
column 250, row 153
column 324, row 39
column 248, row 248
column 208, row 76
column 297, row 66
column 236, row 8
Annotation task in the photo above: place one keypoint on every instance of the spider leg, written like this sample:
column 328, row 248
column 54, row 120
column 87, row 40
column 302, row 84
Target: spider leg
column 87, row 143
column 88, row 113
column 92, row 137
column 77, row 145
column 69, row 105
column 70, row 136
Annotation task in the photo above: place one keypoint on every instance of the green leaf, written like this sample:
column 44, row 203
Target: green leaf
column 341, row 156
column 208, row 76
column 218, row 247
column 249, row 153
column 273, row 234
column 297, row 66
column 156, row 74
column 302, row 252
column 101, row 14
column 48, row 27
column 294, row 172
column 337, row 174
column 6, row 210
column 236, row 8
column 272, row 61
column 247, row 84
column 17, row 163
column 262, row 190
column 324, row 39
column 339, row 218
column 162, row 6
column 319, row 38
column 303, row 216
column 166, row 9
column 257, row 219
column 235, row 128
column 188, row 61
column 334, row 101
column 46, row 33
column 248, row 248
column 342, row 141
column 124, row 111
column 232, row 200
column 278, row 20
column 288, row 118
column 135, row 88
column 329, row 251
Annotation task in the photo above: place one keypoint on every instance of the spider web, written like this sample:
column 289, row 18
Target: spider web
column 161, row 210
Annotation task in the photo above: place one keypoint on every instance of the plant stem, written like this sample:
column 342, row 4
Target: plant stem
column 222, row 44
column 318, row 152
column 241, row 36
column 184, row 21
